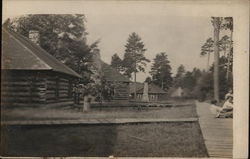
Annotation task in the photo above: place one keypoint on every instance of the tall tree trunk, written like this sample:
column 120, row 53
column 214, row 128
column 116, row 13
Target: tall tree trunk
column 216, row 25
column 135, row 84
column 208, row 59
column 228, row 55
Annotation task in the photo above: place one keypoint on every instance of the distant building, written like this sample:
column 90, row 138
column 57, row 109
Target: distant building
column 155, row 93
column 32, row 77
column 120, row 82
column 178, row 92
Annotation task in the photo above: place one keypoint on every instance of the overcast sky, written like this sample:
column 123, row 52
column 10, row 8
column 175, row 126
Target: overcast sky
column 179, row 29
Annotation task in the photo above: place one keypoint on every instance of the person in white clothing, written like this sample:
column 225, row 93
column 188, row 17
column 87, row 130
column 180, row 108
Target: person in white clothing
column 225, row 111
column 230, row 93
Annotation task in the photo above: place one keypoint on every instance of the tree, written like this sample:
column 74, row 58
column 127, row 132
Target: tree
column 148, row 79
column 134, row 60
column 116, row 62
column 223, row 82
column 207, row 48
column 204, row 86
column 161, row 71
column 189, row 80
column 216, row 21
column 224, row 45
column 228, row 24
column 178, row 79
column 61, row 35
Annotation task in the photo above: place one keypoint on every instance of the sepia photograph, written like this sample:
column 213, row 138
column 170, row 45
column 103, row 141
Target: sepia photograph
column 124, row 79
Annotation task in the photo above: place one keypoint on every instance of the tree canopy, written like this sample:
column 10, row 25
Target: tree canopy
column 61, row 35
column 178, row 79
column 134, row 59
column 161, row 71
column 117, row 62
column 207, row 47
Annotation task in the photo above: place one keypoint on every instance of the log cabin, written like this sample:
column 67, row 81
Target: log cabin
column 31, row 77
column 120, row 82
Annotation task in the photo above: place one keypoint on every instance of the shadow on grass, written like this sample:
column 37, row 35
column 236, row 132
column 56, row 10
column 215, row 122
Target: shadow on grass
column 67, row 140
column 133, row 140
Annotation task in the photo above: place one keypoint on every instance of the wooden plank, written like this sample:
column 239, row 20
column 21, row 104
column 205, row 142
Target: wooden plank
column 95, row 121
column 217, row 132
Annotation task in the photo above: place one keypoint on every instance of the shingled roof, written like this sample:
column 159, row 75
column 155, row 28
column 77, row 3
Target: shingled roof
column 111, row 74
column 152, row 88
column 19, row 53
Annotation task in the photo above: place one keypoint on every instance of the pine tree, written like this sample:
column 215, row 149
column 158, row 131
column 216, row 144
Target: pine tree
column 216, row 21
column 178, row 79
column 134, row 60
column 161, row 71
column 206, row 49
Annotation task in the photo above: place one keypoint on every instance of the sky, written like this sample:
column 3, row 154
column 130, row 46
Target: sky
column 179, row 29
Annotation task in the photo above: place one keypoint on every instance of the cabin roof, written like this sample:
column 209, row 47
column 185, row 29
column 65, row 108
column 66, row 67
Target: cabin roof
column 19, row 53
column 152, row 88
column 111, row 74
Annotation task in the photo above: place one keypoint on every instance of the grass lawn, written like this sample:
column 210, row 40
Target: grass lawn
column 186, row 111
column 145, row 140
column 130, row 140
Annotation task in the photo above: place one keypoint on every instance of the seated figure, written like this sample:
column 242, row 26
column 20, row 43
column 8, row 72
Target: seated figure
column 225, row 111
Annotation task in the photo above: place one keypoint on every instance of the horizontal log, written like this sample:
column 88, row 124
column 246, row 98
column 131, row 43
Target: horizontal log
column 59, row 100
column 50, row 84
column 57, row 79
column 50, row 91
column 63, row 80
column 23, row 83
column 51, row 87
column 58, row 104
column 23, row 77
column 63, row 95
column 63, row 84
column 59, row 85
column 50, row 96
column 23, row 94
column 24, row 99
column 63, row 91
column 22, row 89
column 9, row 105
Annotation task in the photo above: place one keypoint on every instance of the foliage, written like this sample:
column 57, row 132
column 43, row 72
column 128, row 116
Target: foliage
column 117, row 63
column 148, row 80
column 178, row 79
column 207, row 47
column 227, row 23
column 224, row 44
column 161, row 71
column 61, row 35
column 134, row 59
column 204, row 86
column 224, row 83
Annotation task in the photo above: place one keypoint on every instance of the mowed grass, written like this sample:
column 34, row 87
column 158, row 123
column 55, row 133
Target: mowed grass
column 184, row 111
column 134, row 140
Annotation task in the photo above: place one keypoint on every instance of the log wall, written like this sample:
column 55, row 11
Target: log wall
column 35, row 88
column 20, row 87
column 121, row 91
column 59, row 89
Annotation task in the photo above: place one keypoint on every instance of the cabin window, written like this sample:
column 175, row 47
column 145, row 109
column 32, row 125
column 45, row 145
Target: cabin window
column 57, row 88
